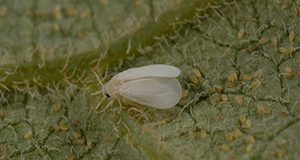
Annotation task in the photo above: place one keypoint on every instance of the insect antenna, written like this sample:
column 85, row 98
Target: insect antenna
column 98, row 79
column 106, row 107
column 101, row 86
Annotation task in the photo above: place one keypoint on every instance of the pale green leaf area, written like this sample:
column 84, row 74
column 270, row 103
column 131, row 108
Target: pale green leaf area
column 64, row 27
column 240, row 63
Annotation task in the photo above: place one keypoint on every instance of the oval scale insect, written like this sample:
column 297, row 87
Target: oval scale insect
column 153, row 85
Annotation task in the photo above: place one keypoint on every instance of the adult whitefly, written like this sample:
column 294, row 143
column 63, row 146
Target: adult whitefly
column 152, row 85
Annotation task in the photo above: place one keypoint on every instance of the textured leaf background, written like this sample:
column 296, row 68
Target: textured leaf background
column 240, row 63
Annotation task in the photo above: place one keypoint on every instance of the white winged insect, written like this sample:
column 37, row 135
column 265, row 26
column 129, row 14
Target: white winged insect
column 153, row 85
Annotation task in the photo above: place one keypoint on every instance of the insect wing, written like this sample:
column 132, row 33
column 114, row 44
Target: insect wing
column 150, row 71
column 160, row 93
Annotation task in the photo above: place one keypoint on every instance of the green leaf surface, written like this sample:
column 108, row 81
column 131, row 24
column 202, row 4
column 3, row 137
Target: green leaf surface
column 240, row 63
